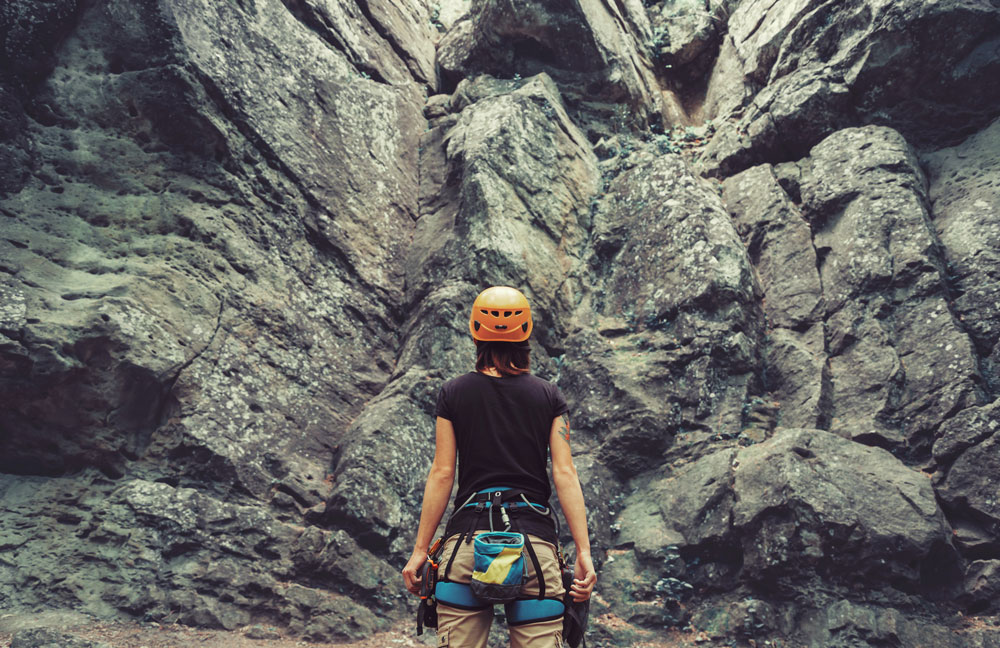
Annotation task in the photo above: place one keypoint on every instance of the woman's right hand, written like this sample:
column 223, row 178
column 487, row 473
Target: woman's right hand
column 585, row 577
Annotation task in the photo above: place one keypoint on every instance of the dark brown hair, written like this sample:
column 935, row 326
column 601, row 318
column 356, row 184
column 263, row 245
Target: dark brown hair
column 508, row 358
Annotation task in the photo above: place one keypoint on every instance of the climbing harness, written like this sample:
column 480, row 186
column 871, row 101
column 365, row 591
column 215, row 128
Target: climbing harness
column 498, row 572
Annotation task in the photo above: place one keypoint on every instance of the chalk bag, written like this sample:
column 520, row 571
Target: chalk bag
column 498, row 571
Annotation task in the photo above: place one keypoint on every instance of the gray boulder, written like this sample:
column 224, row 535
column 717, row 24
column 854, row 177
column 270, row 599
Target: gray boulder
column 46, row 638
column 669, row 338
column 846, row 624
column 968, row 458
column 803, row 505
column 982, row 586
column 779, row 241
column 850, row 512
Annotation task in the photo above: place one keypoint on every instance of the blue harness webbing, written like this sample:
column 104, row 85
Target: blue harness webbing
column 519, row 612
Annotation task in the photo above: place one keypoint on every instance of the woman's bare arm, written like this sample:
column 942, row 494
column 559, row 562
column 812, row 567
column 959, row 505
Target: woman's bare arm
column 437, row 492
column 571, row 498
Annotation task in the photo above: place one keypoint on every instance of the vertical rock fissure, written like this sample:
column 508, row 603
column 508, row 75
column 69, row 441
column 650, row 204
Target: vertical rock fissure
column 307, row 14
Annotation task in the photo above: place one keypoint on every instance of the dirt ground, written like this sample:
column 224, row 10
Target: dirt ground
column 125, row 634
column 152, row 635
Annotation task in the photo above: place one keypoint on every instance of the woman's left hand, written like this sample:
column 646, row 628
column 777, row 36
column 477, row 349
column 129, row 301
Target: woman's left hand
column 585, row 579
column 411, row 573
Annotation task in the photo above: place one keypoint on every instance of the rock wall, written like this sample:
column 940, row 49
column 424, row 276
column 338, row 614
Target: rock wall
column 239, row 239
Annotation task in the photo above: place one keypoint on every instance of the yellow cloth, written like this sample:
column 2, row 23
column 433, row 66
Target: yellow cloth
column 500, row 567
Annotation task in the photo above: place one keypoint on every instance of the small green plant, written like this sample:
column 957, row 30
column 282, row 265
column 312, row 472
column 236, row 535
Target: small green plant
column 664, row 144
column 660, row 44
column 435, row 18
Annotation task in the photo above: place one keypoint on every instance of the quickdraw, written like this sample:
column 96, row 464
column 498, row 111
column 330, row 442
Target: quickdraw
column 427, row 611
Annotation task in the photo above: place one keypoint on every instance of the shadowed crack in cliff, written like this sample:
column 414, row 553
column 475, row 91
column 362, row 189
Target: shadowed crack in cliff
column 309, row 15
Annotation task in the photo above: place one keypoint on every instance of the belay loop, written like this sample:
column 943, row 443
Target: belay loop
column 496, row 501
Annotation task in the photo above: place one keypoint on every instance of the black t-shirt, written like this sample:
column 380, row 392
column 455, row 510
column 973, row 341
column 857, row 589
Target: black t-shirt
column 502, row 428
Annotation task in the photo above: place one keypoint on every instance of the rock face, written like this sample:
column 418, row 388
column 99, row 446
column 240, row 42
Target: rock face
column 804, row 504
column 179, row 294
column 812, row 67
column 885, row 290
column 238, row 242
column 597, row 47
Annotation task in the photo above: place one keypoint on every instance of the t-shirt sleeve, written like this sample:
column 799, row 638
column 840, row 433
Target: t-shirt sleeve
column 559, row 406
column 442, row 409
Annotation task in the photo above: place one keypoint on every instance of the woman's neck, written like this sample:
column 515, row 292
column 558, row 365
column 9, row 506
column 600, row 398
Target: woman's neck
column 490, row 371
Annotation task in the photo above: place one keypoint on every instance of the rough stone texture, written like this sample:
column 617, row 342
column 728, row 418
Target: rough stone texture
column 802, row 504
column 668, row 340
column 595, row 49
column 863, row 338
column 179, row 554
column 845, row 624
column 850, row 511
column 180, row 293
column 968, row 452
column 779, row 241
column 238, row 241
column 885, row 292
column 686, row 36
column 964, row 192
column 44, row 638
column 814, row 67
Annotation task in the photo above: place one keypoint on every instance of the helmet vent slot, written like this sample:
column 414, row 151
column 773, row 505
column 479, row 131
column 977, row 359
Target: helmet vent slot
column 506, row 313
column 496, row 313
column 518, row 312
column 484, row 312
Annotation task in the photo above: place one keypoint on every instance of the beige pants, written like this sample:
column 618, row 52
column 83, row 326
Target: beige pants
column 471, row 628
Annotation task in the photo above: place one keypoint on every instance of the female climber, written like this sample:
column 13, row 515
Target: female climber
column 500, row 544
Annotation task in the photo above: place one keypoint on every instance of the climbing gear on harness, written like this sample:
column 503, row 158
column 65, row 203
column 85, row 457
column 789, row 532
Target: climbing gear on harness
column 499, row 499
column 506, row 504
column 427, row 611
column 499, row 502
column 498, row 571
column 500, row 314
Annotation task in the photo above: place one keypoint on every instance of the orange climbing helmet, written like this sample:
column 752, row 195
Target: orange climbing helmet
column 500, row 314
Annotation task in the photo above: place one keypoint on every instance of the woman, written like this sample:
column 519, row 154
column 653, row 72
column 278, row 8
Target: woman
column 501, row 422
